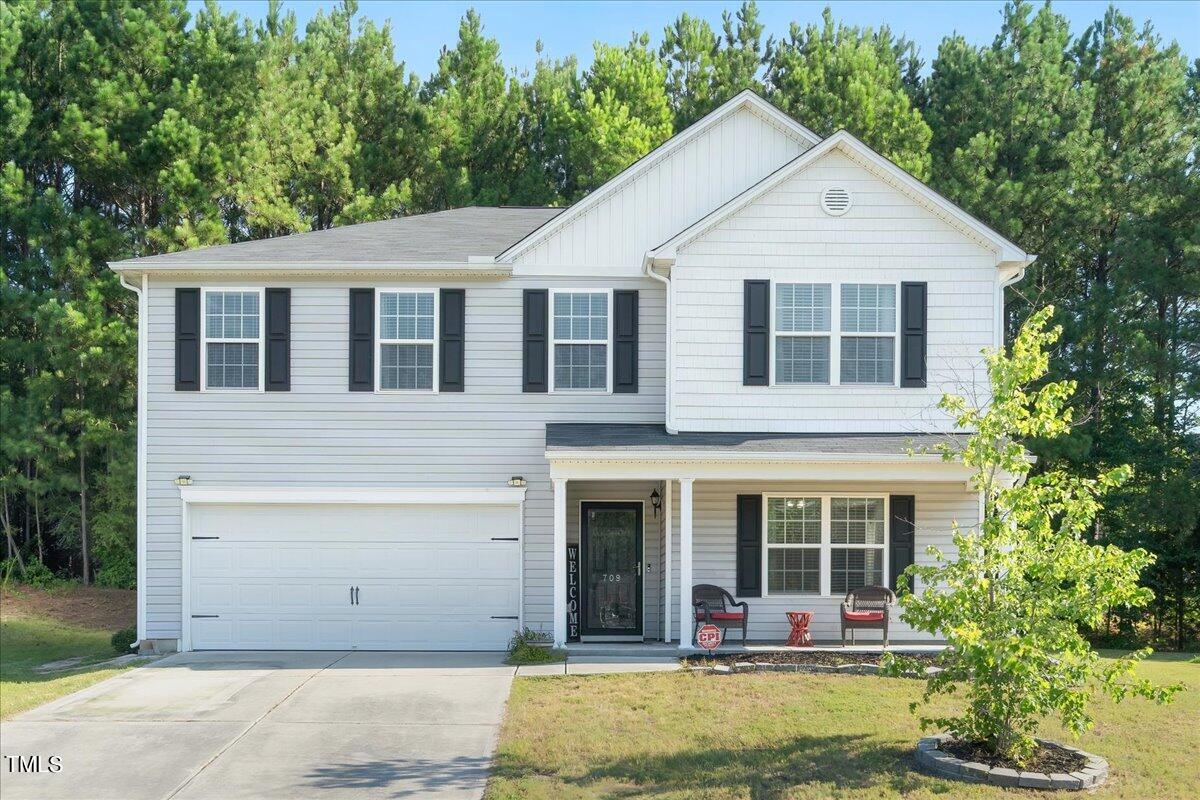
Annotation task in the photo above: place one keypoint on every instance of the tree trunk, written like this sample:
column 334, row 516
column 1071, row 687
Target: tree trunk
column 83, row 517
column 13, row 550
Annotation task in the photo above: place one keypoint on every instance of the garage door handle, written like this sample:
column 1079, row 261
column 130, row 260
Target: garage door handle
column 355, row 595
column 504, row 538
column 206, row 616
column 512, row 617
column 204, row 538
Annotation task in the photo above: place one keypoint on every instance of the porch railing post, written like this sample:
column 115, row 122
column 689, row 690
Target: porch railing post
column 560, row 561
column 687, row 614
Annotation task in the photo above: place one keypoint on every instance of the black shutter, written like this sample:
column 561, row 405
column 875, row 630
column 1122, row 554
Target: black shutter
column 279, row 346
column 903, row 549
column 362, row 340
column 913, row 334
column 535, row 365
column 625, row 341
column 187, row 340
column 452, row 339
column 756, row 338
column 749, row 545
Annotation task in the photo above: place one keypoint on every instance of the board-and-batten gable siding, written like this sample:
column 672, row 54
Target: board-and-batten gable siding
column 784, row 236
column 321, row 434
column 714, row 548
column 675, row 192
column 629, row 491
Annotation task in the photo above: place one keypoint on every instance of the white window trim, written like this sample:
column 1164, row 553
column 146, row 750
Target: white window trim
column 829, row 334
column 835, row 335
column 608, row 343
column 826, row 546
column 894, row 334
column 380, row 341
column 204, row 339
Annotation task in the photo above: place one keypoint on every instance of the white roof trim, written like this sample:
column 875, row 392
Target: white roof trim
column 433, row 495
column 728, row 457
column 745, row 99
column 447, row 269
column 1006, row 250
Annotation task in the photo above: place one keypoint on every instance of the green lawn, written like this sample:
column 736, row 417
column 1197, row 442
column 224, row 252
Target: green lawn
column 27, row 642
column 777, row 735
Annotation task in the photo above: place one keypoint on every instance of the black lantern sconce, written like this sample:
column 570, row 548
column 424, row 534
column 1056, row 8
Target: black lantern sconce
column 655, row 502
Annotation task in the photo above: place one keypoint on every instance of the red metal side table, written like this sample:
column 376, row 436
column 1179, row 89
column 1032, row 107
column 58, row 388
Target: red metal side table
column 800, row 636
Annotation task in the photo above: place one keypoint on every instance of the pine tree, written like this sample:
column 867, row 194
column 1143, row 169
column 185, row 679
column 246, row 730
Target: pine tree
column 838, row 76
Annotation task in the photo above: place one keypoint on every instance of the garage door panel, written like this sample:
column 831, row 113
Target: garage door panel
column 428, row 577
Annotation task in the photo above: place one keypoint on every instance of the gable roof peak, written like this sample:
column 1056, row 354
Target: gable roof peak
column 745, row 99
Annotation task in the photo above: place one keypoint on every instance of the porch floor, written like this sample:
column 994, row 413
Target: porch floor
column 669, row 649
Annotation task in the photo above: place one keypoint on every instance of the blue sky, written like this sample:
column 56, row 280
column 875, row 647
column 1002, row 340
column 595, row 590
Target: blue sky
column 420, row 29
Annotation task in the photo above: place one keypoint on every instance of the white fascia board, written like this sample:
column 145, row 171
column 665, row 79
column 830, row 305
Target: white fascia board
column 744, row 99
column 1006, row 251
column 890, row 471
column 302, row 495
column 469, row 270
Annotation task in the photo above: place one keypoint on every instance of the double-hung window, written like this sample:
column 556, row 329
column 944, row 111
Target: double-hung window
column 857, row 535
column 868, row 341
column 407, row 339
column 232, row 349
column 581, row 327
column 794, row 545
column 802, row 325
column 824, row 544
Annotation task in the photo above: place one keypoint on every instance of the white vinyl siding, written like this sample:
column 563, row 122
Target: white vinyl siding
column 785, row 237
column 407, row 340
column 232, row 350
column 613, row 235
column 938, row 505
column 321, row 434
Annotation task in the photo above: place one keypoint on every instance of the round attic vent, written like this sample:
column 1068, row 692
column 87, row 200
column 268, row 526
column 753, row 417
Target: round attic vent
column 835, row 201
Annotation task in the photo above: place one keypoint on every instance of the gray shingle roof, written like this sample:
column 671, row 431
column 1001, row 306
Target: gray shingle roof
column 654, row 438
column 441, row 237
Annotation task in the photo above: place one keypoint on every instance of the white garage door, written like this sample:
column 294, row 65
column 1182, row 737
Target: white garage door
column 341, row 577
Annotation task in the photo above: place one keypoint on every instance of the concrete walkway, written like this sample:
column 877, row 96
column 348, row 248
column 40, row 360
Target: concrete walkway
column 269, row 725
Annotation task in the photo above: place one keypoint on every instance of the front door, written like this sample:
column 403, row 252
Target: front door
column 611, row 566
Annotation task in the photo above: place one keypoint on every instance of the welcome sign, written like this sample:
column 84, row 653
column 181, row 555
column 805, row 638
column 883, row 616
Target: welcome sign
column 572, row 593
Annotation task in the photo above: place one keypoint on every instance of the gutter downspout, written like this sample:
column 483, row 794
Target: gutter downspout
column 142, row 293
column 648, row 268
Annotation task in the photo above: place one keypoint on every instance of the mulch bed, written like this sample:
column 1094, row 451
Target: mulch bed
column 828, row 658
column 1047, row 758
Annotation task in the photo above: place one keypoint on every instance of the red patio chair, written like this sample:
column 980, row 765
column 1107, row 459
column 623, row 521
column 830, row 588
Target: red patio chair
column 715, row 606
column 867, row 609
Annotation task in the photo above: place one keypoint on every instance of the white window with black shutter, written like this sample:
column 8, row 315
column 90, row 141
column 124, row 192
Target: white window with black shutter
column 406, row 340
column 231, row 347
column 580, row 337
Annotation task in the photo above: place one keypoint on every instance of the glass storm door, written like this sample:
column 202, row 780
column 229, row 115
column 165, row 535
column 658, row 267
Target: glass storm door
column 611, row 567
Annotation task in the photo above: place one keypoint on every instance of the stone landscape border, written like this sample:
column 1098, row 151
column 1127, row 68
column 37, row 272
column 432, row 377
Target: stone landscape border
column 844, row 669
column 935, row 761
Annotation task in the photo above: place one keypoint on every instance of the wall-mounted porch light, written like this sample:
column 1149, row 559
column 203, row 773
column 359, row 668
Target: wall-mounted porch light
column 183, row 480
column 655, row 502
column 516, row 481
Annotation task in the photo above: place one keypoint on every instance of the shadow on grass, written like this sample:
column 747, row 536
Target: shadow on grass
column 765, row 773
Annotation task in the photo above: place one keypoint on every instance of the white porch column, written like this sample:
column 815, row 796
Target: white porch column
column 668, row 523
column 560, row 561
column 687, row 615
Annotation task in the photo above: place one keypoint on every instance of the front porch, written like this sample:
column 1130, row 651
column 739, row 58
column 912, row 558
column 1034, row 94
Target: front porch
column 660, row 649
column 783, row 523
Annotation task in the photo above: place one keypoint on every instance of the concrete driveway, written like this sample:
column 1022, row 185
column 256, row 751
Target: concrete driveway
column 269, row 725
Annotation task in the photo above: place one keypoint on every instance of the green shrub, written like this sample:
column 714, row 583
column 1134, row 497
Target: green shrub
column 39, row 575
column 532, row 647
column 123, row 639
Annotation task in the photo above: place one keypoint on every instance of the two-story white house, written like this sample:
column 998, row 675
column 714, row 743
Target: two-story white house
column 425, row 433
